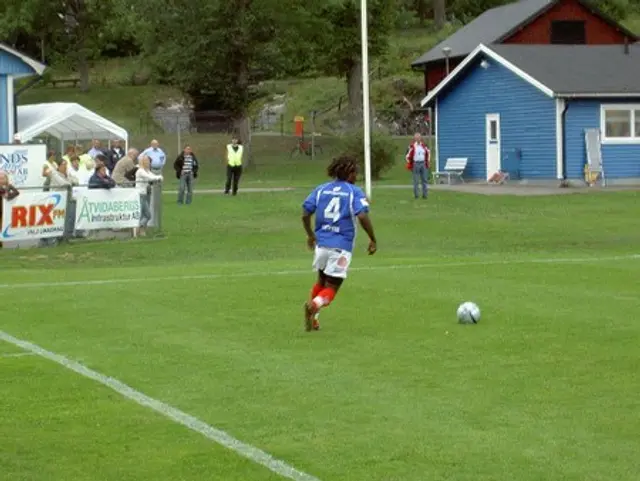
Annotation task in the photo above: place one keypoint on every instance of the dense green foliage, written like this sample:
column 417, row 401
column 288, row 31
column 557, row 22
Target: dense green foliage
column 384, row 153
column 216, row 50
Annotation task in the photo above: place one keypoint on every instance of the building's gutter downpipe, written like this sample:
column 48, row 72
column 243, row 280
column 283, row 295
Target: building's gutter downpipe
column 564, row 182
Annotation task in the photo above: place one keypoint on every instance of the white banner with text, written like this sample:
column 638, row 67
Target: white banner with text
column 23, row 163
column 107, row 209
column 33, row 215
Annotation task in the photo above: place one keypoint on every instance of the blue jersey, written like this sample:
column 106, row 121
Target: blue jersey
column 336, row 205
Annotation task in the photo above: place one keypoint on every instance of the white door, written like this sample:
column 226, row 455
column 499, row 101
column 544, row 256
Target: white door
column 493, row 144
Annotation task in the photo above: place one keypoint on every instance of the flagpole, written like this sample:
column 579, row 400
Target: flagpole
column 365, row 97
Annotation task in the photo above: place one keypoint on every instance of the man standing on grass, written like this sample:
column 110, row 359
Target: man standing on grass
column 156, row 155
column 336, row 206
column 234, row 166
column 186, row 167
column 418, row 163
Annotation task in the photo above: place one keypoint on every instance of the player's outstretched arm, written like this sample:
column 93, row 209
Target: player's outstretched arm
column 306, row 223
column 367, row 225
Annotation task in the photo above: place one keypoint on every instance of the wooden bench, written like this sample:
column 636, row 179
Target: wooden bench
column 65, row 81
column 453, row 167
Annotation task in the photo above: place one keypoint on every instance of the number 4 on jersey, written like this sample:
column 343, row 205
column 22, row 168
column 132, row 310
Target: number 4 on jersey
column 332, row 211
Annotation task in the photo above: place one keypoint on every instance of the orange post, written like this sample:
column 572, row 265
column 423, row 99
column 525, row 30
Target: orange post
column 298, row 126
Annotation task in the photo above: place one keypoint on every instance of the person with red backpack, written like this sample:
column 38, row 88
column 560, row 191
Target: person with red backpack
column 418, row 162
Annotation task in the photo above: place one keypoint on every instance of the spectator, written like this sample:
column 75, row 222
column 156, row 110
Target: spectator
column 144, row 178
column 186, row 167
column 124, row 166
column 102, row 160
column 52, row 158
column 69, row 152
column 157, row 156
column 74, row 167
column 234, row 166
column 48, row 167
column 83, row 157
column 115, row 154
column 85, row 172
column 7, row 191
column 96, row 149
column 418, row 162
column 100, row 179
column 62, row 177
column 17, row 139
column 57, row 180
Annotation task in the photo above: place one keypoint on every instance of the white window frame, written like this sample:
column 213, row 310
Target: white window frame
column 632, row 108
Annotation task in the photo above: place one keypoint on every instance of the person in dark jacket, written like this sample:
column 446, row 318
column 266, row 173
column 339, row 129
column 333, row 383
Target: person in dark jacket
column 7, row 191
column 100, row 179
column 116, row 153
column 186, row 167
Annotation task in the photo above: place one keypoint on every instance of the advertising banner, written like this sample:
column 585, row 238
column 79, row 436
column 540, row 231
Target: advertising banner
column 23, row 163
column 107, row 209
column 33, row 215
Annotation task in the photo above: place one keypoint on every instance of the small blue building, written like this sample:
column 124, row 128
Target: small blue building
column 526, row 108
column 13, row 65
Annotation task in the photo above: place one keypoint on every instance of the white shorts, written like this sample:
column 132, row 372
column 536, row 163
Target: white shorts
column 333, row 262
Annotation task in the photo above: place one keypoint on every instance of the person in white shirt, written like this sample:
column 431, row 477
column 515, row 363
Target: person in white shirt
column 418, row 162
column 48, row 167
column 144, row 177
column 156, row 155
column 61, row 177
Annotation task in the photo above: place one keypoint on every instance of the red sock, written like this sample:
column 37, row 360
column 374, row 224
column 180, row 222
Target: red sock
column 315, row 290
column 324, row 297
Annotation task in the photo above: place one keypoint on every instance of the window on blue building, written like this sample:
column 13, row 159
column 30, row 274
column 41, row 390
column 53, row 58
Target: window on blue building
column 621, row 123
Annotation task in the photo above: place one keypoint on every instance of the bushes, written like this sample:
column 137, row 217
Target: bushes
column 384, row 153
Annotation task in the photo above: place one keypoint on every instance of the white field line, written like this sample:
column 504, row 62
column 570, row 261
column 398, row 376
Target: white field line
column 264, row 273
column 17, row 354
column 216, row 435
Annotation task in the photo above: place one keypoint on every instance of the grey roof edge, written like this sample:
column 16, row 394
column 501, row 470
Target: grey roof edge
column 497, row 52
column 589, row 5
column 485, row 16
column 419, row 63
column 38, row 67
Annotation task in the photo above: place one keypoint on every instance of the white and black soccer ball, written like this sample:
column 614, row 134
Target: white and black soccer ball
column 468, row 313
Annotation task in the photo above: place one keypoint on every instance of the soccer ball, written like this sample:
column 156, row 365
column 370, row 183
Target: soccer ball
column 468, row 313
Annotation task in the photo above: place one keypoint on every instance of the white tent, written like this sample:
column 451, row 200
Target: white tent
column 66, row 122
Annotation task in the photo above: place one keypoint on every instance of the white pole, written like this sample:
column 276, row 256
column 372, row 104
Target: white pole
column 179, row 133
column 365, row 97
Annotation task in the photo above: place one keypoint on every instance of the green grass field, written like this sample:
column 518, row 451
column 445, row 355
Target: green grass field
column 208, row 320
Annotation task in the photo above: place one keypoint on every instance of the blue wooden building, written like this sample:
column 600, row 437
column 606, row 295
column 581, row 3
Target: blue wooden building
column 525, row 109
column 13, row 65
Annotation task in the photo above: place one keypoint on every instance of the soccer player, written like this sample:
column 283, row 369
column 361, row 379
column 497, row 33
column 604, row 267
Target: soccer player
column 336, row 206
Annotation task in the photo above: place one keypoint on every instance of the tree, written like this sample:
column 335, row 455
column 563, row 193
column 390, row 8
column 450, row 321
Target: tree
column 84, row 24
column 339, row 52
column 78, row 27
column 422, row 9
column 33, row 18
column 214, row 50
column 439, row 13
